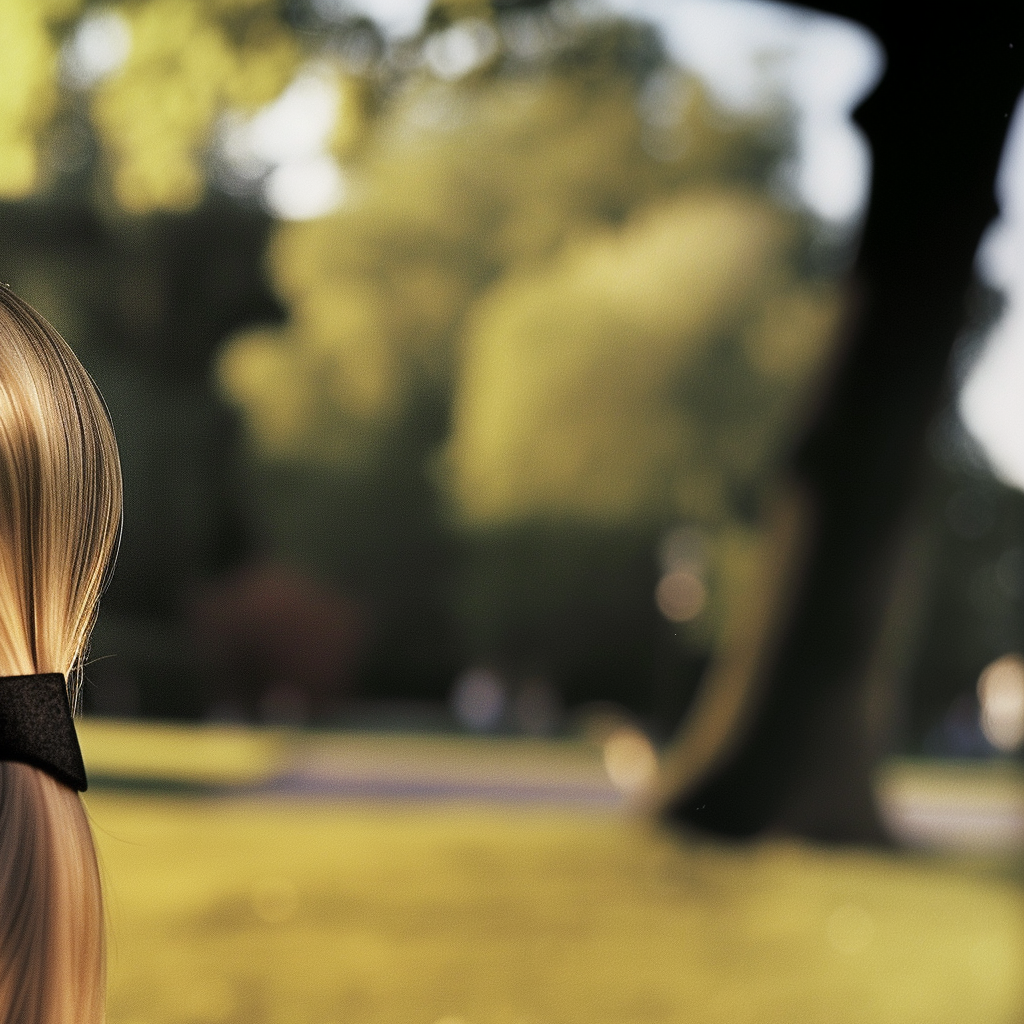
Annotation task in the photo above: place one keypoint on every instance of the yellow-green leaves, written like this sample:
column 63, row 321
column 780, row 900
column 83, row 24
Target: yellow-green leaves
column 28, row 89
column 156, row 115
column 471, row 201
column 565, row 402
column 586, row 275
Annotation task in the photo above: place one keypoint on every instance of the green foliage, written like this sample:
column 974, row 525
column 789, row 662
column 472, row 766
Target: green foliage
column 28, row 88
column 461, row 187
column 154, row 115
column 187, row 62
column 561, row 310
column 585, row 386
column 579, row 263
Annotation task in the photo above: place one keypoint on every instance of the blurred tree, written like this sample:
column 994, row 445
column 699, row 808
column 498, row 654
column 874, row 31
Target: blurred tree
column 463, row 183
column 146, row 305
column 273, row 645
column 644, row 373
column 491, row 382
column 157, row 77
column 972, row 614
column 28, row 87
column 566, row 294
column 186, row 62
column 800, row 755
column 110, row 120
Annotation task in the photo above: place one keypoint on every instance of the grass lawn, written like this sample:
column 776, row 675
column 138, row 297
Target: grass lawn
column 233, row 910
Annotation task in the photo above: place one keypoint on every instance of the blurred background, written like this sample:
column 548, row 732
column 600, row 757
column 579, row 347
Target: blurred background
column 456, row 351
column 441, row 363
column 462, row 357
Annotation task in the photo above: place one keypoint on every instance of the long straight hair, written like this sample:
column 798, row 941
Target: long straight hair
column 60, row 515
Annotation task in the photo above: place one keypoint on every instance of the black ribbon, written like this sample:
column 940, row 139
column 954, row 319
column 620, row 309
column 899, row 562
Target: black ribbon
column 36, row 727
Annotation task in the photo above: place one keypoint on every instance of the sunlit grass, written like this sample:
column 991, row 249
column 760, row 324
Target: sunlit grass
column 236, row 911
column 206, row 755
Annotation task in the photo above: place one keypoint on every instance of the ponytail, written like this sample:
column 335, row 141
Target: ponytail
column 60, row 514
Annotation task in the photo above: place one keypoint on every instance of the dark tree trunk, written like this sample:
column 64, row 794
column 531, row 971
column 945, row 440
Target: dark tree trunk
column 936, row 125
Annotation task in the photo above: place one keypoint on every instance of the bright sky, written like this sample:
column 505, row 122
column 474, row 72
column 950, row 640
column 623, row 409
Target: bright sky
column 992, row 399
column 755, row 55
column 752, row 55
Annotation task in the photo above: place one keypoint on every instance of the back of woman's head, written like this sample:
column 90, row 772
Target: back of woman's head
column 60, row 507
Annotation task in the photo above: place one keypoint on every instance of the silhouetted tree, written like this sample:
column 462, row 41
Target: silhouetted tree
column 803, row 757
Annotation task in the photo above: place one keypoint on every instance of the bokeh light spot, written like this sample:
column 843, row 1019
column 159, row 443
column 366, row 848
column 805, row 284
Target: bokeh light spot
column 456, row 51
column 303, row 190
column 630, row 760
column 99, row 46
column 1001, row 696
column 680, row 596
column 479, row 699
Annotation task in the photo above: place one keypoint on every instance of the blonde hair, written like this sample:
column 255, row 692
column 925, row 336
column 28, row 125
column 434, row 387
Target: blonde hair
column 60, row 513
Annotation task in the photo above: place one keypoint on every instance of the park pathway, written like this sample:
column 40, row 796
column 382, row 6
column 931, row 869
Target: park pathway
column 962, row 806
